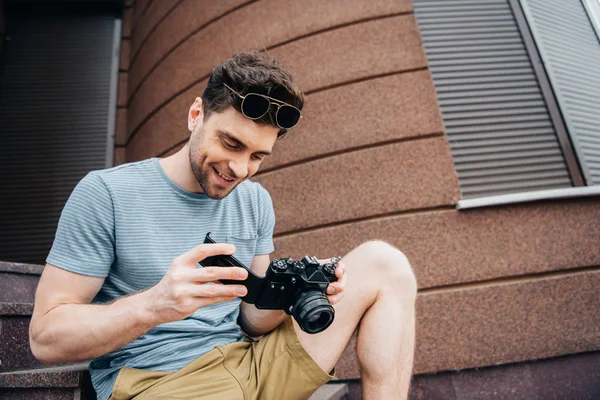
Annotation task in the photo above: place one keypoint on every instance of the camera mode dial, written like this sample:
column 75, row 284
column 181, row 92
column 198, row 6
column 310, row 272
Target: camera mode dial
column 299, row 265
column 279, row 265
column 329, row 269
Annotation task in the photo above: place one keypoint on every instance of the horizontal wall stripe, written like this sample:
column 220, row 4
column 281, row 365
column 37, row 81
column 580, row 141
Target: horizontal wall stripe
column 493, row 321
column 179, row 71
column 266, row 172
column 154, row 16
column 354, row 60
column 486, row 317
column 394, row 107
column 384, row 179
column 453, row 248
column 409, row 96
column 139, row 9
column 175, row 29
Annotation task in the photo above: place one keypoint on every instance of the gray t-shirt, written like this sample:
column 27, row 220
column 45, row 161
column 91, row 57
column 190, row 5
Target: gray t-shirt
column 126, row 224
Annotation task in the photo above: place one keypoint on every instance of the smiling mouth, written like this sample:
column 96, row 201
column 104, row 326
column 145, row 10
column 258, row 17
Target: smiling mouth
column 224, row 177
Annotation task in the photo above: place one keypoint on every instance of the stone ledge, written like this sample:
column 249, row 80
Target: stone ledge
column 76, row 375
column 332, row 391
column 65, row 376
column 15, row 309
column 20, row 268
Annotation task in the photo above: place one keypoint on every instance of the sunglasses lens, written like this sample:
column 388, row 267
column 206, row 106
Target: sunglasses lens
column 255, row 106
column 287, row 116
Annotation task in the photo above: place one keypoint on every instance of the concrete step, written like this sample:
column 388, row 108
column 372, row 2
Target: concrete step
column 68, row 382
column 72, row 382
column 18, row 282
column 331, row 391
column 15, row 353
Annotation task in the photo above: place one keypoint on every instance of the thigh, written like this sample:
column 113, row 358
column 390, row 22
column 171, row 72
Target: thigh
column 205, row 377
column 275, row 367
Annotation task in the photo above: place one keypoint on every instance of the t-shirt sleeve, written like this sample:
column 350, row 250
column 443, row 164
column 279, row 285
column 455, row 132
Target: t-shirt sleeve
column 84, row 240
column 266, row 223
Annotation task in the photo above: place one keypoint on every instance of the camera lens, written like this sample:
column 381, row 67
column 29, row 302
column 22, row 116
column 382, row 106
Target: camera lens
column 313, row 312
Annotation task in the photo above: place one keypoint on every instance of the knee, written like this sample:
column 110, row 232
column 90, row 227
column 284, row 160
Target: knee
column 391, row 267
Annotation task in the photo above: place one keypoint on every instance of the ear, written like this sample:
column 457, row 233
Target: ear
column 195, row 114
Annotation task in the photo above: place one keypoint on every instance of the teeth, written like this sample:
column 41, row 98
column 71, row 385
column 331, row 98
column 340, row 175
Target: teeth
column 224, row 177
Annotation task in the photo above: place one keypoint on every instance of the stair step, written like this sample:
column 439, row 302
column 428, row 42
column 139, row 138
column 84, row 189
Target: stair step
column 72, row 382
column 331, row 391
column 18, row 281
column 66, row 382
column 15, row 308
column 64, row 376
column 15, row 352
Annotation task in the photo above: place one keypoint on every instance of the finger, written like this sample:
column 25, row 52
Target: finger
column 211, row 290
column 210, row 274
column 200, row 252
column 343, row 280
column 335, row 298
column 340, row 270
column 334, row 288
column 207, row 301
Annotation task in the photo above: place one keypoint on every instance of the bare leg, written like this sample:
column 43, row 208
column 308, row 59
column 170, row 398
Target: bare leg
column 380, row 299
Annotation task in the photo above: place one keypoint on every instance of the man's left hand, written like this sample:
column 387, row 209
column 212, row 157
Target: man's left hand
column 335, row 290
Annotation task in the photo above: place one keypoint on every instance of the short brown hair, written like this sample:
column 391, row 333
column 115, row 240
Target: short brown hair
column 245, row 72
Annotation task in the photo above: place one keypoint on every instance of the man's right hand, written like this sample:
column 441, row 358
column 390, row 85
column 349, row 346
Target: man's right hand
column 185, row 287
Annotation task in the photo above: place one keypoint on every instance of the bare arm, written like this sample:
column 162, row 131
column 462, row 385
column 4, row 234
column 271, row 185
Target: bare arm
column 257, row 322
column 65, row 327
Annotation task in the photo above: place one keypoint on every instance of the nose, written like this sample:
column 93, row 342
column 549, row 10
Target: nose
column 239, row 168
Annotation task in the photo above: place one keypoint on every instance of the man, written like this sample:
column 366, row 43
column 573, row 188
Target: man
column 122, row 286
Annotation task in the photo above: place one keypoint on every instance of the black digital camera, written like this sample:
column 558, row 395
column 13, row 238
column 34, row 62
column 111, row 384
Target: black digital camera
column 297, row 287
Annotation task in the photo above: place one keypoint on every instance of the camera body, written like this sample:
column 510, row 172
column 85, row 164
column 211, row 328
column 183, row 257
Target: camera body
column 297, row 287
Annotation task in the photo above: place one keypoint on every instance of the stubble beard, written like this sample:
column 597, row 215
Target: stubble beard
column 201, row 172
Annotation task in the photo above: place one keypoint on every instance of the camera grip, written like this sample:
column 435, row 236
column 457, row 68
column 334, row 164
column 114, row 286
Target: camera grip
column 253, row 282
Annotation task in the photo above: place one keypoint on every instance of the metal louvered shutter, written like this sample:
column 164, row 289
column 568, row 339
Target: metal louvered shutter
column 497, row 123
column 570, row 51
column 57, row 112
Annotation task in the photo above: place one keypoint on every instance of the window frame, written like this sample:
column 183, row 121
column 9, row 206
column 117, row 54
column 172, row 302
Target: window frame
column 592, row 7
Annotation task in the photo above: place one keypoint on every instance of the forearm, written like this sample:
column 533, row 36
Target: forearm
column 73, row 332
column 257, row 322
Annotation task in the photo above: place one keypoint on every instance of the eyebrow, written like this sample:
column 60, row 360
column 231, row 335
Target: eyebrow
column 230, row 136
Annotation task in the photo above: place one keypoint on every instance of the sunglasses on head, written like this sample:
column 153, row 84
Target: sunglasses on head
column 255, row 105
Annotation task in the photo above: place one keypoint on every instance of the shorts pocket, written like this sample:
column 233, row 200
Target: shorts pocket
column 131, row 382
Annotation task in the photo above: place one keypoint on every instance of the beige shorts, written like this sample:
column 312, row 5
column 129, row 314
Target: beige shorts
column 275, row 367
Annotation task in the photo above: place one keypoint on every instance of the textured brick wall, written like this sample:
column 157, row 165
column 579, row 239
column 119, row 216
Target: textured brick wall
column 370, row 160
column 121, row 122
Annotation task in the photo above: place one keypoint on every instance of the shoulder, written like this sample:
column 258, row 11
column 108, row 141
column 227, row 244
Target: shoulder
column 127, row 175
column 124, row 171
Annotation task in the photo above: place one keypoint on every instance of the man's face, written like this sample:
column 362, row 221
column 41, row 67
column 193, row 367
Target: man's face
column 226, row 149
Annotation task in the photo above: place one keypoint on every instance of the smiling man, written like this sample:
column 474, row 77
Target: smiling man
column 122, row 284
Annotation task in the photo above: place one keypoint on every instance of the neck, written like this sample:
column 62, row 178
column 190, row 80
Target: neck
column 178, row 169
